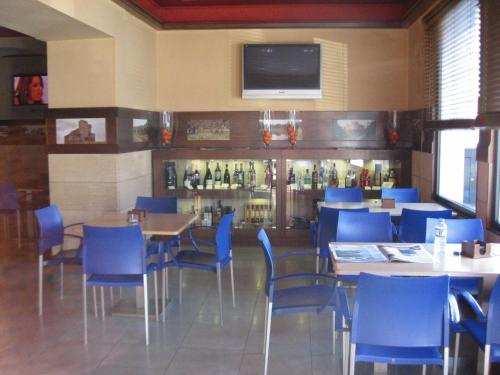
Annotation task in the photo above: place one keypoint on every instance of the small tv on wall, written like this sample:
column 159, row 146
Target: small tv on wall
column 281, row 71
column 30, row 90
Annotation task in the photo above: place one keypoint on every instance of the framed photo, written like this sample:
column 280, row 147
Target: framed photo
column 208, row 130
column 80, row 131
column 354, row 130
column 140, row 130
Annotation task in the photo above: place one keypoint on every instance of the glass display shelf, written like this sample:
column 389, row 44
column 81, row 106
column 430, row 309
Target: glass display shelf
column 211, row 188
column 307, row 180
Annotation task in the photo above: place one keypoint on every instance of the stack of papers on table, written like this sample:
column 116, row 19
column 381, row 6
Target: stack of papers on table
column 380, row 253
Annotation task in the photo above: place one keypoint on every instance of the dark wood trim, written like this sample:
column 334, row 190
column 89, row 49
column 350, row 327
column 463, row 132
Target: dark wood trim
column 484, row 150
column 451, row 124
column 418, row 10
column 81, row 149
column 22, row 122
column 284, row 25
column 490, row 119
column 131, row 7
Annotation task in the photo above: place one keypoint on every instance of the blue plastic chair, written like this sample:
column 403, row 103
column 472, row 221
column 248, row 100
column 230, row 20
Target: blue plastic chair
column 307, row 298
column 484, row 329
column 114, row 257
column 401, row 195
column 364, row 227
column 157, row 205
column 51, row 233
column 9, row 207
column 460, row 230
column 202, row 260
column 328, row 220
column 400, row 320
column 343, row 195
column 412, row 226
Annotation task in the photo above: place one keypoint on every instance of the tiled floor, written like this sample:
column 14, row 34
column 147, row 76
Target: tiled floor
column 191, row 341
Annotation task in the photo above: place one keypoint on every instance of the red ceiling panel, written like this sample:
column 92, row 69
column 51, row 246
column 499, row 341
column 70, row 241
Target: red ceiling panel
column 275, row 11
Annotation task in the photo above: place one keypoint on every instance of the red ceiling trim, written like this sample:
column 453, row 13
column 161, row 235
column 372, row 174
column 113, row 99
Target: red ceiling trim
column 276, row 13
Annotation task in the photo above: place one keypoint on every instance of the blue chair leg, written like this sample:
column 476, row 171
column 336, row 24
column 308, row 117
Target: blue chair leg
column 84, row 288
column 146, row 302
column 265, row 324
column 487, row 353
column 94, row 293
column 219, row 287
column 232, row 277
column 456, row 352
column 155, row 276
column 267, row 336
column 103, row 312
column 40, row 285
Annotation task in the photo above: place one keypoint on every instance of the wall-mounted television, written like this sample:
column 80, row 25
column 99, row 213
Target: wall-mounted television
column 281, row 71
column 30, row 90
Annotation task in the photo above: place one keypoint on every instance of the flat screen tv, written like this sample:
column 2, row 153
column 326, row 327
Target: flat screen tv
column 281, row 71
column 30, row 90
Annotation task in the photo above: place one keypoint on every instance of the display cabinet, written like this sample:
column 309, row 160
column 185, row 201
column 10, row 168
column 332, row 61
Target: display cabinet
column 265, row 195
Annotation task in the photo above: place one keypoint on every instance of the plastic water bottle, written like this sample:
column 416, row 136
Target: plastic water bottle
column 440, row 236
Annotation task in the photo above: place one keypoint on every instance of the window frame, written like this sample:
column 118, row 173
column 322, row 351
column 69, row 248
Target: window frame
column 435, row 196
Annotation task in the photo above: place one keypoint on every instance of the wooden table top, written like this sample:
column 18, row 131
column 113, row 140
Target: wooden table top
column 377, row 206
column 445, row 263
column 152, row 224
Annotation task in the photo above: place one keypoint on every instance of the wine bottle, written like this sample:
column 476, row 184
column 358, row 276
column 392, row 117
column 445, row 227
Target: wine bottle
column 307, row 180
column 241, row 177
column 314, row 178
column 348, row 179
column 291, row 176
column 334, row 180
column 227, row 177
column 377, row 178
column 218, row 175
column 208, row 177
column 187, row 179
column 273, row 183
column 196, row 178
column 268, row 178
column 236, row 175
column 252, row 177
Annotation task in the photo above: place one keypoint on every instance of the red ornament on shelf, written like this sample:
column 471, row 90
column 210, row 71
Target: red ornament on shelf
column 392, row 136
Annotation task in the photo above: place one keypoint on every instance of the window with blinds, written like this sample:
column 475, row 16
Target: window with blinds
column 453, row 60
column 490, row 59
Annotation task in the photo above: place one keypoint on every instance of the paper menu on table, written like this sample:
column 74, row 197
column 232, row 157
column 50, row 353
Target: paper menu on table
column 357, row 253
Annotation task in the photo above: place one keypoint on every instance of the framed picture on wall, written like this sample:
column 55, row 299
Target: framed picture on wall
column 354, row 130
column 208, row 130
column 80, row 131
column 140, row 130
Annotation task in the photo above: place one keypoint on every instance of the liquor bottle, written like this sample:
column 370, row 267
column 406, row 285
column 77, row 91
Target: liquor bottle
column 252, row 177
column 171, row 176
column 268, row 178
column 300, row 182
column 291, row 176
column 236, row 175
column 187, row 179
column 334, row 179
column 218, row 210
column 377, row 178
column 273, row 183
column 348, row 180
column 196, row 180
column 354, row 182
column 174, row 177
column 208, row 177
column 321, row 181
column 218, row 175
column 227, row 177
column 241, row 177
column 307, row 180
column 315, row 178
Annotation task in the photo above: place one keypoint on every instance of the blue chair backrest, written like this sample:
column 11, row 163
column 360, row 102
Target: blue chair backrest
column 328, row 220
column 458, row 230
column 268, row 256
column 493, row 327
column 223, row 237
column 157, row 205
column 8, row 197
column 343, row 195
column 402, row 195
column 51, row 228
column 364, row 227
column 401, row 311
column 113, row 251
column 412, row 227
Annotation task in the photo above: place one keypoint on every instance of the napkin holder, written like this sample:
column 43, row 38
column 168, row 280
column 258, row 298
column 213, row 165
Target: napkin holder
column 140, row 214
column 388, row 203
column 476, row 249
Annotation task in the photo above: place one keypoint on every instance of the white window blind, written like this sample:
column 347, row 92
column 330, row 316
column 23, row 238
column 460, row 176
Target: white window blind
column 453, row 60
column 490, row 59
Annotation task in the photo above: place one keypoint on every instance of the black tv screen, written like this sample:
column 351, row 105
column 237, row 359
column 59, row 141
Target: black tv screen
column 282, row 71
column 30, row 90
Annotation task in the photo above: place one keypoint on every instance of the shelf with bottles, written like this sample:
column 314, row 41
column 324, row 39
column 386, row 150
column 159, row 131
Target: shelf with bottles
column 307, row 180
column 208, row 187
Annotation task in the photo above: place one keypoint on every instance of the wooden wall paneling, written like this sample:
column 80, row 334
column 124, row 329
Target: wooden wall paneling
column 485, row 149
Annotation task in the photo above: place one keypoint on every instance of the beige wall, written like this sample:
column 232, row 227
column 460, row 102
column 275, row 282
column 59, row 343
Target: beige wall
column 364, row 70
column 121, row 70
column 416, row 64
